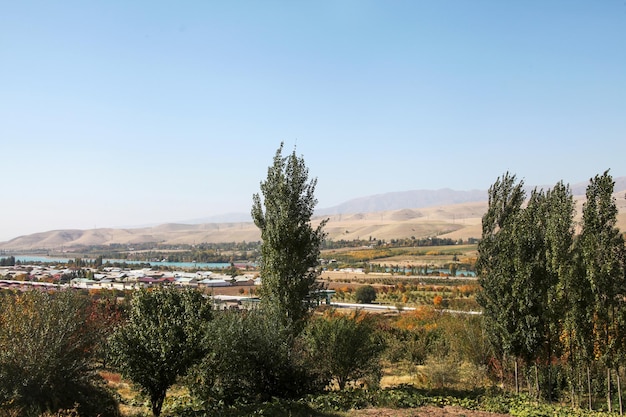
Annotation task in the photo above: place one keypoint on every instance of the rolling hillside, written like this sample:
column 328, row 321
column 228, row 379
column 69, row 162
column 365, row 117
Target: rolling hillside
column 457, row 221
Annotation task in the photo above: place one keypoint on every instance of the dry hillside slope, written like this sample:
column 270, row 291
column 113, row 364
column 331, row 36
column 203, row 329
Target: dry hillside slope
column 458, row 221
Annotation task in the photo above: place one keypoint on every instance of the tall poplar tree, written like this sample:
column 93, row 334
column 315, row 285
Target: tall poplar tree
column 290, row 246
column 559, row 254
column 577, row 299
column 518, row 274
column 543, row 241
column 496, row 266
column 603, row 258
column 530, row 282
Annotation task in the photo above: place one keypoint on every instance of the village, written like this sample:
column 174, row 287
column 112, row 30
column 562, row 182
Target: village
column 227, row 291
column 115, row 278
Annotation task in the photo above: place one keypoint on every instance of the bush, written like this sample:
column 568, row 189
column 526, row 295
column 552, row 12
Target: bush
column 250, row 359
column 46, row 355
column 365, row 294
column 343, row 349
column 441, row 372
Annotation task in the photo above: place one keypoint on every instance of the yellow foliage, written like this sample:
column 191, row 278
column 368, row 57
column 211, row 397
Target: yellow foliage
column 437, row 300
column 422, row 316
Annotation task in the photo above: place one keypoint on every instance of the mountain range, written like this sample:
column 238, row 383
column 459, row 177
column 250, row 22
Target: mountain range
column 395, row 215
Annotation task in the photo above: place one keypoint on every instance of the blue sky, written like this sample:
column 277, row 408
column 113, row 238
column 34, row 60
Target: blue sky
column 121, row 113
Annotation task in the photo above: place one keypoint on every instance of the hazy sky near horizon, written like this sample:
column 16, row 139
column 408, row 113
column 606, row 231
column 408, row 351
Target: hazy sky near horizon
column 124, row 113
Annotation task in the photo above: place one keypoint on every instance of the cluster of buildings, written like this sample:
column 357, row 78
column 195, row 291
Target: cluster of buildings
column 26, row 276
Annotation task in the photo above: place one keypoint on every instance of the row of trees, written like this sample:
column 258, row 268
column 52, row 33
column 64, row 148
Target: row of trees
column 551, row 295
column 9, row 261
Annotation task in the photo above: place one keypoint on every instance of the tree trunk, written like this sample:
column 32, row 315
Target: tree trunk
column 341, row 382
column 502, row 382
column 571, row 383
column 537, row 380
column 608, row 389
column 156, row 400
column 579, row 388
column 516, row 377
column 549, row 358
column 589, row 387
column 619, row 393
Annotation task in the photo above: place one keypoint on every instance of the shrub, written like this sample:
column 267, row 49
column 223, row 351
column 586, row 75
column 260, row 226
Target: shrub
column 343, row 348
column 250, row 359
column 442, row 372
column 46, row 355
column 365, row 294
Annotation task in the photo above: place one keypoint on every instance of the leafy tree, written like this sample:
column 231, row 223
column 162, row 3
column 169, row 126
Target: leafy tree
column 290, row 245
column 496, row 265
column 525, row 267
column 104, row 313
column 578, row 321
column 343, row 348
column 465, row 336
column 365, row 294
column 10, row 261
column 603, row 257
column 554, row 255
column 567, row 294
column 250, row 359
column 161, row 340
column 46, row 355
column 537, row 276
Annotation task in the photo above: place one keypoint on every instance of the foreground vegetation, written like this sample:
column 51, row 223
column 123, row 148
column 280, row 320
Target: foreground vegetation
column 249, row 365
column 552, row 326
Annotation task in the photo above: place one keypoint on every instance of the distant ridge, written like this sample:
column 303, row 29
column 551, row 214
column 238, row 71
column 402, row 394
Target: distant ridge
column 579, row 189
column 405, row 200
column 397, row 215
column 416, row 199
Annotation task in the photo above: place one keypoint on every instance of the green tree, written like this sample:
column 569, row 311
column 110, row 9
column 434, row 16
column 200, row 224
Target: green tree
column 534, row 284
column 603, row 257
column 496, row 266
column 365, row 294
column 250, row 359
column 565, row 294
column 10, row 261
column 558, row 234
column 577, row 300
column 343, row 348
column 290, row 245
column 525, row 268
column 46, row 355
column 161, row 340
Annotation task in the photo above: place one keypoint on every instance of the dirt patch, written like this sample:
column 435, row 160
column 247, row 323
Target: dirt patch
column 428, row 411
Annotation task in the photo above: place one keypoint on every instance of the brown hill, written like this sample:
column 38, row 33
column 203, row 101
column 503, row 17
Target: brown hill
column 458, row 221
